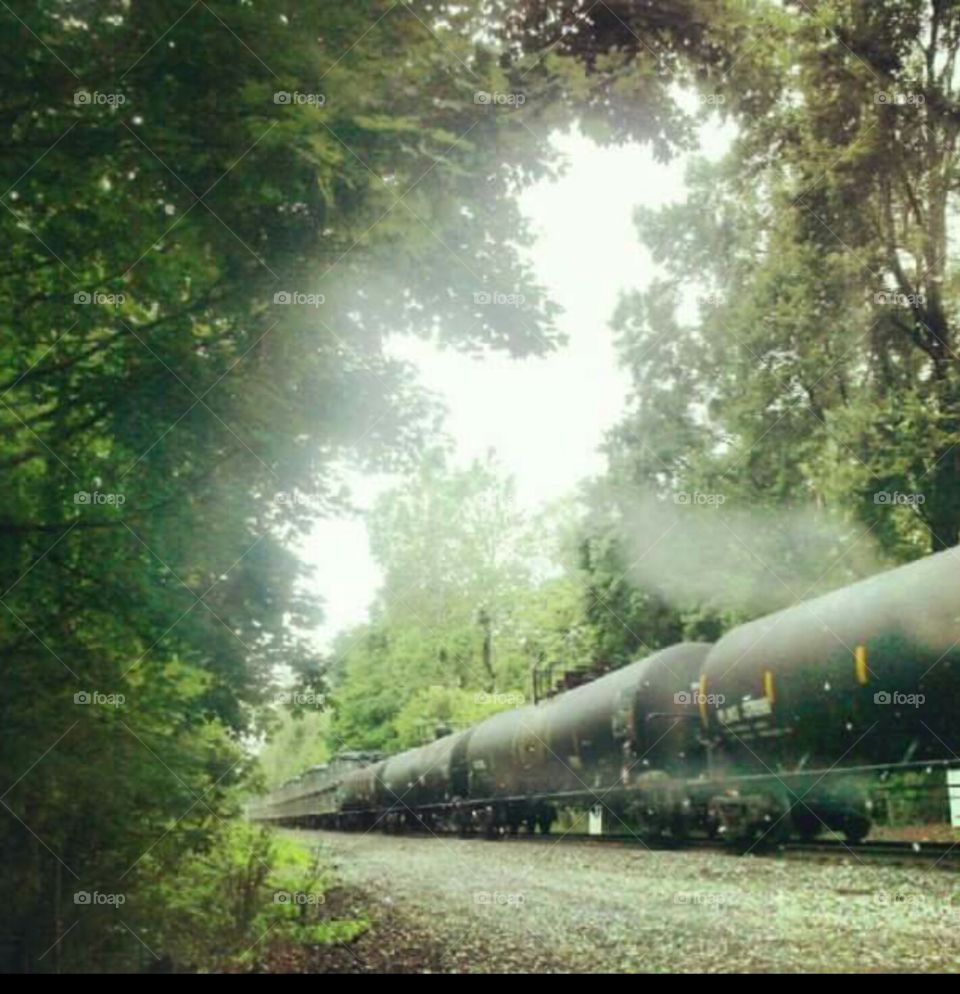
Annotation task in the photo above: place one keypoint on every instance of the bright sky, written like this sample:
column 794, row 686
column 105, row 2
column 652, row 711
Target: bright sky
column 543, row 417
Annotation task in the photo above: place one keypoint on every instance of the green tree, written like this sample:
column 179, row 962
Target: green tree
column 819, row 370
column 452, row 547
column 213, row 215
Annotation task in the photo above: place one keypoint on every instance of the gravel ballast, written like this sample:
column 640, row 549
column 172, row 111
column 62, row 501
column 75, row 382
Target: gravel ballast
column 469, row 905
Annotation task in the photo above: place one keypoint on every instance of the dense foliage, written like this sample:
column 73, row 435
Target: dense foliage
column 470, row 603
column 818, row 369
column 213, row 214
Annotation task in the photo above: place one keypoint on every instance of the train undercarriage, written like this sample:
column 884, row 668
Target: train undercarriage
column 668, row 810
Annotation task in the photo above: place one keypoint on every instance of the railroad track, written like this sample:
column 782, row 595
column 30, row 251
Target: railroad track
column 944, row 854
column 938, row 852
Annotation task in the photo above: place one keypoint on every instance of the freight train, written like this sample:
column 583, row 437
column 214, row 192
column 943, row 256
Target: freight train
column 763, row 735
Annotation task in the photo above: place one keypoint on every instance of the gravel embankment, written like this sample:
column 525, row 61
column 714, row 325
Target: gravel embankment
column 469, row 905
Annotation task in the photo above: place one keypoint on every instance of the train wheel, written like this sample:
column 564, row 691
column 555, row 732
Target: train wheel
column 487, row 823
column 855, row 830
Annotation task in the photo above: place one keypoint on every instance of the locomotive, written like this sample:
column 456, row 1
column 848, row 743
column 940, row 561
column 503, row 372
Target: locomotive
column 761, row 736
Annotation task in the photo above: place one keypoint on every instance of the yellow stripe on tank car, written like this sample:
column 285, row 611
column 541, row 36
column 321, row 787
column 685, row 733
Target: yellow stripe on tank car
column 703, row 699
column 860, row 665
column 768, row 690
